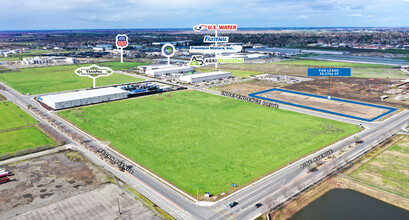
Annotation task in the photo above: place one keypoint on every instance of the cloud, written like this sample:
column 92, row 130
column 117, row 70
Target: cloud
column 359, row 7
column 63, row 14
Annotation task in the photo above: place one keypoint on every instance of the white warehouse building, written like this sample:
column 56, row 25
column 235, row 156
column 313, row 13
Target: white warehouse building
column 87, row 97
column 203, row 77
column 167, row 70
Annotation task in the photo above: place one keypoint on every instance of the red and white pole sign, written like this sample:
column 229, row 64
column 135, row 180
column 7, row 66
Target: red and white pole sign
column 121, row 42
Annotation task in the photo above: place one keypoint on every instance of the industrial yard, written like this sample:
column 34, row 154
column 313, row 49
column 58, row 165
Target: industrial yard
column 65, row 186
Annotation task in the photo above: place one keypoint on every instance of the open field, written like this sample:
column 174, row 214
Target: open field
column 13, row 117
column 300, row 68
column 247, row 87
column 12, row 141
column 17, row 131
column 322, row 63
column 238, row 73
column 60, row 78
column 194, row 139
column 65, row 186
column 353, row 88
column 121, row 66
column 388, row 170
column 338, row 107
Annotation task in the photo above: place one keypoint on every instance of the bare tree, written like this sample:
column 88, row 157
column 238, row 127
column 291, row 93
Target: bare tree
column 326, row 169
column 300, row 184
column 313, row 178
column 285, row 191
column 270, row 202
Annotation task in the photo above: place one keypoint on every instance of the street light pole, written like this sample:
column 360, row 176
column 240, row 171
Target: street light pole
column 197, row 193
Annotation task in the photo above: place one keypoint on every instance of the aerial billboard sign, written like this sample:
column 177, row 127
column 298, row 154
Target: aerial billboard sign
column 121, row 41
column 213, row 27
column 329, row 72
column 168, row 50
column 93, row 72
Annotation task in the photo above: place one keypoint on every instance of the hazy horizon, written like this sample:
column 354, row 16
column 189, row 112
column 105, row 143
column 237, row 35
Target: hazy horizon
column 160, row 14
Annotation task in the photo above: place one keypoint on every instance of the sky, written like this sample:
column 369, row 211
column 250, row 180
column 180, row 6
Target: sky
column 140, row 14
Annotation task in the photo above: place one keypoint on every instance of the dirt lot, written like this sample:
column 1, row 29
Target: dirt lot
column 250, row 87
column 65, row 186
column 360, row 89
column 356, row 110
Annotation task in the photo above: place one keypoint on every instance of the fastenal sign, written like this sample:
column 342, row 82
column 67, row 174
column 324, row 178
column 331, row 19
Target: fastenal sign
column 121, row 41
column 212, row 39
column 211, row 27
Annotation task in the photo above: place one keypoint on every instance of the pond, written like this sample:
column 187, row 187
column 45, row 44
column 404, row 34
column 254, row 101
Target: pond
column 341, row 204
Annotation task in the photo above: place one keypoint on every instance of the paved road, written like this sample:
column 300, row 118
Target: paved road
column 184, row 207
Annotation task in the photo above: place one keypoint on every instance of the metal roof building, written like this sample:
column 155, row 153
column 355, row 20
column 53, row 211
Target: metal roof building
column 202, row 77
column 167, row 70
column 87, row 97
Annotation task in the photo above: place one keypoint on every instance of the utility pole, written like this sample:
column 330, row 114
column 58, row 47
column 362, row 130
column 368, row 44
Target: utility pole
column 119, row 208
column 197, row 193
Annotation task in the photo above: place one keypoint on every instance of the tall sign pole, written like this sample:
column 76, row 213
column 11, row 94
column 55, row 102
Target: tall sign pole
column 329, row 72
column 168, row 50
column 121, row 41
column 215, row 55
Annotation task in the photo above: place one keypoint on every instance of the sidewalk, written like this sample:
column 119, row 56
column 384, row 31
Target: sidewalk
column 34, row 155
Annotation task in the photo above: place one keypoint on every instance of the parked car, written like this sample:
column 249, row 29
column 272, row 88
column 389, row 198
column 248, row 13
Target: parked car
column 232, row 204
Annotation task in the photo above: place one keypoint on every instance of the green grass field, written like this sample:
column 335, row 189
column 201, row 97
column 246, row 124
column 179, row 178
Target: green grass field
column 388, row 170
column 13, row 117
column 192, row 138
column 322, row 63
column 17, row 131
column 238, row 73
column 9, row 58
column 16, row 140
column 61, row 78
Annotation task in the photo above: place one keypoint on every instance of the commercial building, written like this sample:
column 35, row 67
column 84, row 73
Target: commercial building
column 156, row 71
column 87, row 97
column 203, row 77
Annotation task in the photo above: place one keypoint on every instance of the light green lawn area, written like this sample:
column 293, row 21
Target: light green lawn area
column 388, row 170
column 14, row 135
column 323, row 63
column 16, row 140
column 238, row 73
column 194, row 139
column 13, row 117
column 9, row 59
column 61, row 78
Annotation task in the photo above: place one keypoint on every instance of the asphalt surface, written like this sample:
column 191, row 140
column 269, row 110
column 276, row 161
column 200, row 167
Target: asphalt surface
column 279, row 185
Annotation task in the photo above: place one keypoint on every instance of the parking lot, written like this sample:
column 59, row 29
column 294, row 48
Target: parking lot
column 65, row 186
